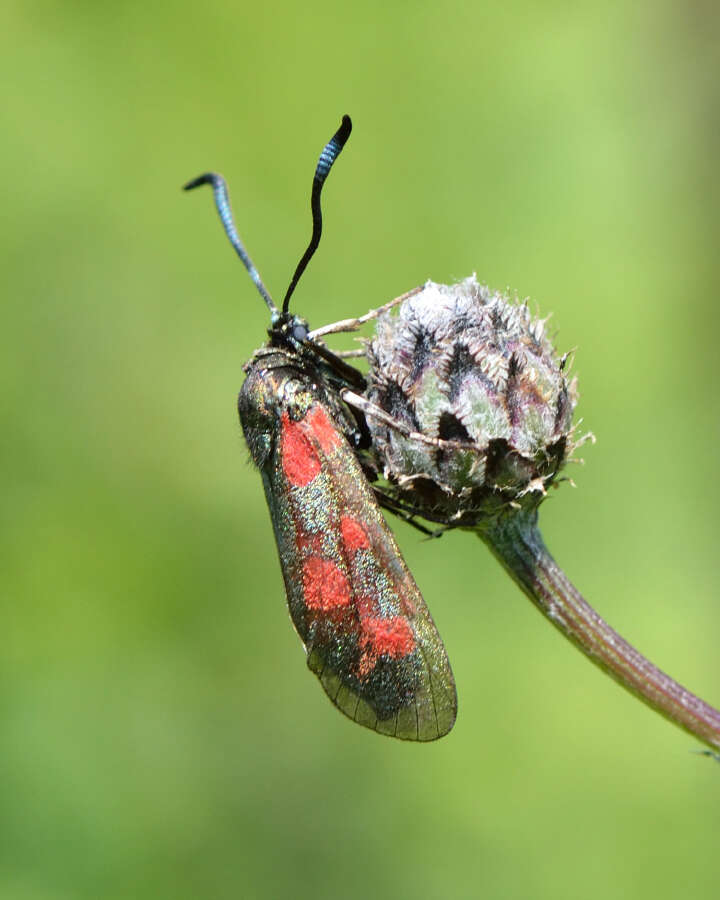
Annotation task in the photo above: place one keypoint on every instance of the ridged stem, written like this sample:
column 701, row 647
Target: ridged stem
column 517, row 543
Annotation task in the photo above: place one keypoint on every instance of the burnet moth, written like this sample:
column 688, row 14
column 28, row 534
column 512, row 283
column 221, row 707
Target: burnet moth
column 366, row 630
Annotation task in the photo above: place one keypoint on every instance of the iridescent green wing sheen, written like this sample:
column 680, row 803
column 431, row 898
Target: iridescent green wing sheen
column 367, row 632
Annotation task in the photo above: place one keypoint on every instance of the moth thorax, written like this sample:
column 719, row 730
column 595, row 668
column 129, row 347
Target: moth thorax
column 473, row 373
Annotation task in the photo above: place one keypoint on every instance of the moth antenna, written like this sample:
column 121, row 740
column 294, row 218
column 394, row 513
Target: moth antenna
column 222, row 202
column 330, row 153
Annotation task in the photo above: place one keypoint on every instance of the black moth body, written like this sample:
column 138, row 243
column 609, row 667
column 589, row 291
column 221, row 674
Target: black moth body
column 365, row 628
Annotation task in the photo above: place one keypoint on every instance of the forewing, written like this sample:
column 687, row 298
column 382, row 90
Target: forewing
column 367, row 632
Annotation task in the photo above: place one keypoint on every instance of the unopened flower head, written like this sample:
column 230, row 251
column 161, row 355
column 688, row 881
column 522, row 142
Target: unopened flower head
column 477, row 405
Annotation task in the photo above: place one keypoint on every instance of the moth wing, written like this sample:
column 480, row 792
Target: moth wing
column 367, row 632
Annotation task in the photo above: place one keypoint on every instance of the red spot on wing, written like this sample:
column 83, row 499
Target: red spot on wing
column 323, row 429
column 299, row 458
column 391, row 637
column 354, row 535
column 325, row 587
column 367, row 663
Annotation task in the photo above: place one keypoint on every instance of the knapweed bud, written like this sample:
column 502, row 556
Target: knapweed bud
column 481, row 405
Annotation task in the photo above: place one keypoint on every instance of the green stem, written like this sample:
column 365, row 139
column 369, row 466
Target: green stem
column 516, row 541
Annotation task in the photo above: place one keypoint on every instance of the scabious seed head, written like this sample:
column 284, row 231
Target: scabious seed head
column 481, row 405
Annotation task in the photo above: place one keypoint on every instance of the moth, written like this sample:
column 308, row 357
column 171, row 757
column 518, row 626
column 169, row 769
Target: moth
column 366, row 631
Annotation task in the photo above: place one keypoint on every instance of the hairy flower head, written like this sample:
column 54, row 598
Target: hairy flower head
column 477, row 405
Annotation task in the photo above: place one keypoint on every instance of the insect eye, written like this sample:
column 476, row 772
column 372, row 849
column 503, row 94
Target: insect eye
column 299, row 332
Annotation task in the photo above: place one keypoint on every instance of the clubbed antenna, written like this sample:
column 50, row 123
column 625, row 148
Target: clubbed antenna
column 330, row 153
column 222, row 201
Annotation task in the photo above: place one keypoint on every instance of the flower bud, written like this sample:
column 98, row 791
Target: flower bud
column 478, row 408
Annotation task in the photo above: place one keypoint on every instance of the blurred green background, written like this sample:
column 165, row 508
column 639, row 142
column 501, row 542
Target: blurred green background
column 160, row 736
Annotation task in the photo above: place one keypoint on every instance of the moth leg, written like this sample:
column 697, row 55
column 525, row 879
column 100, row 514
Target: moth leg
column 346, row 325
column 368, row 408
column 388, row 502
column 350, row 354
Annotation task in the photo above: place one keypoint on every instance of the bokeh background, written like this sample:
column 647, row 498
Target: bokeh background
column 160, row 736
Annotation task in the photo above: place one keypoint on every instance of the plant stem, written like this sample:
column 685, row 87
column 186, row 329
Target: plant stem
column 516, row 541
